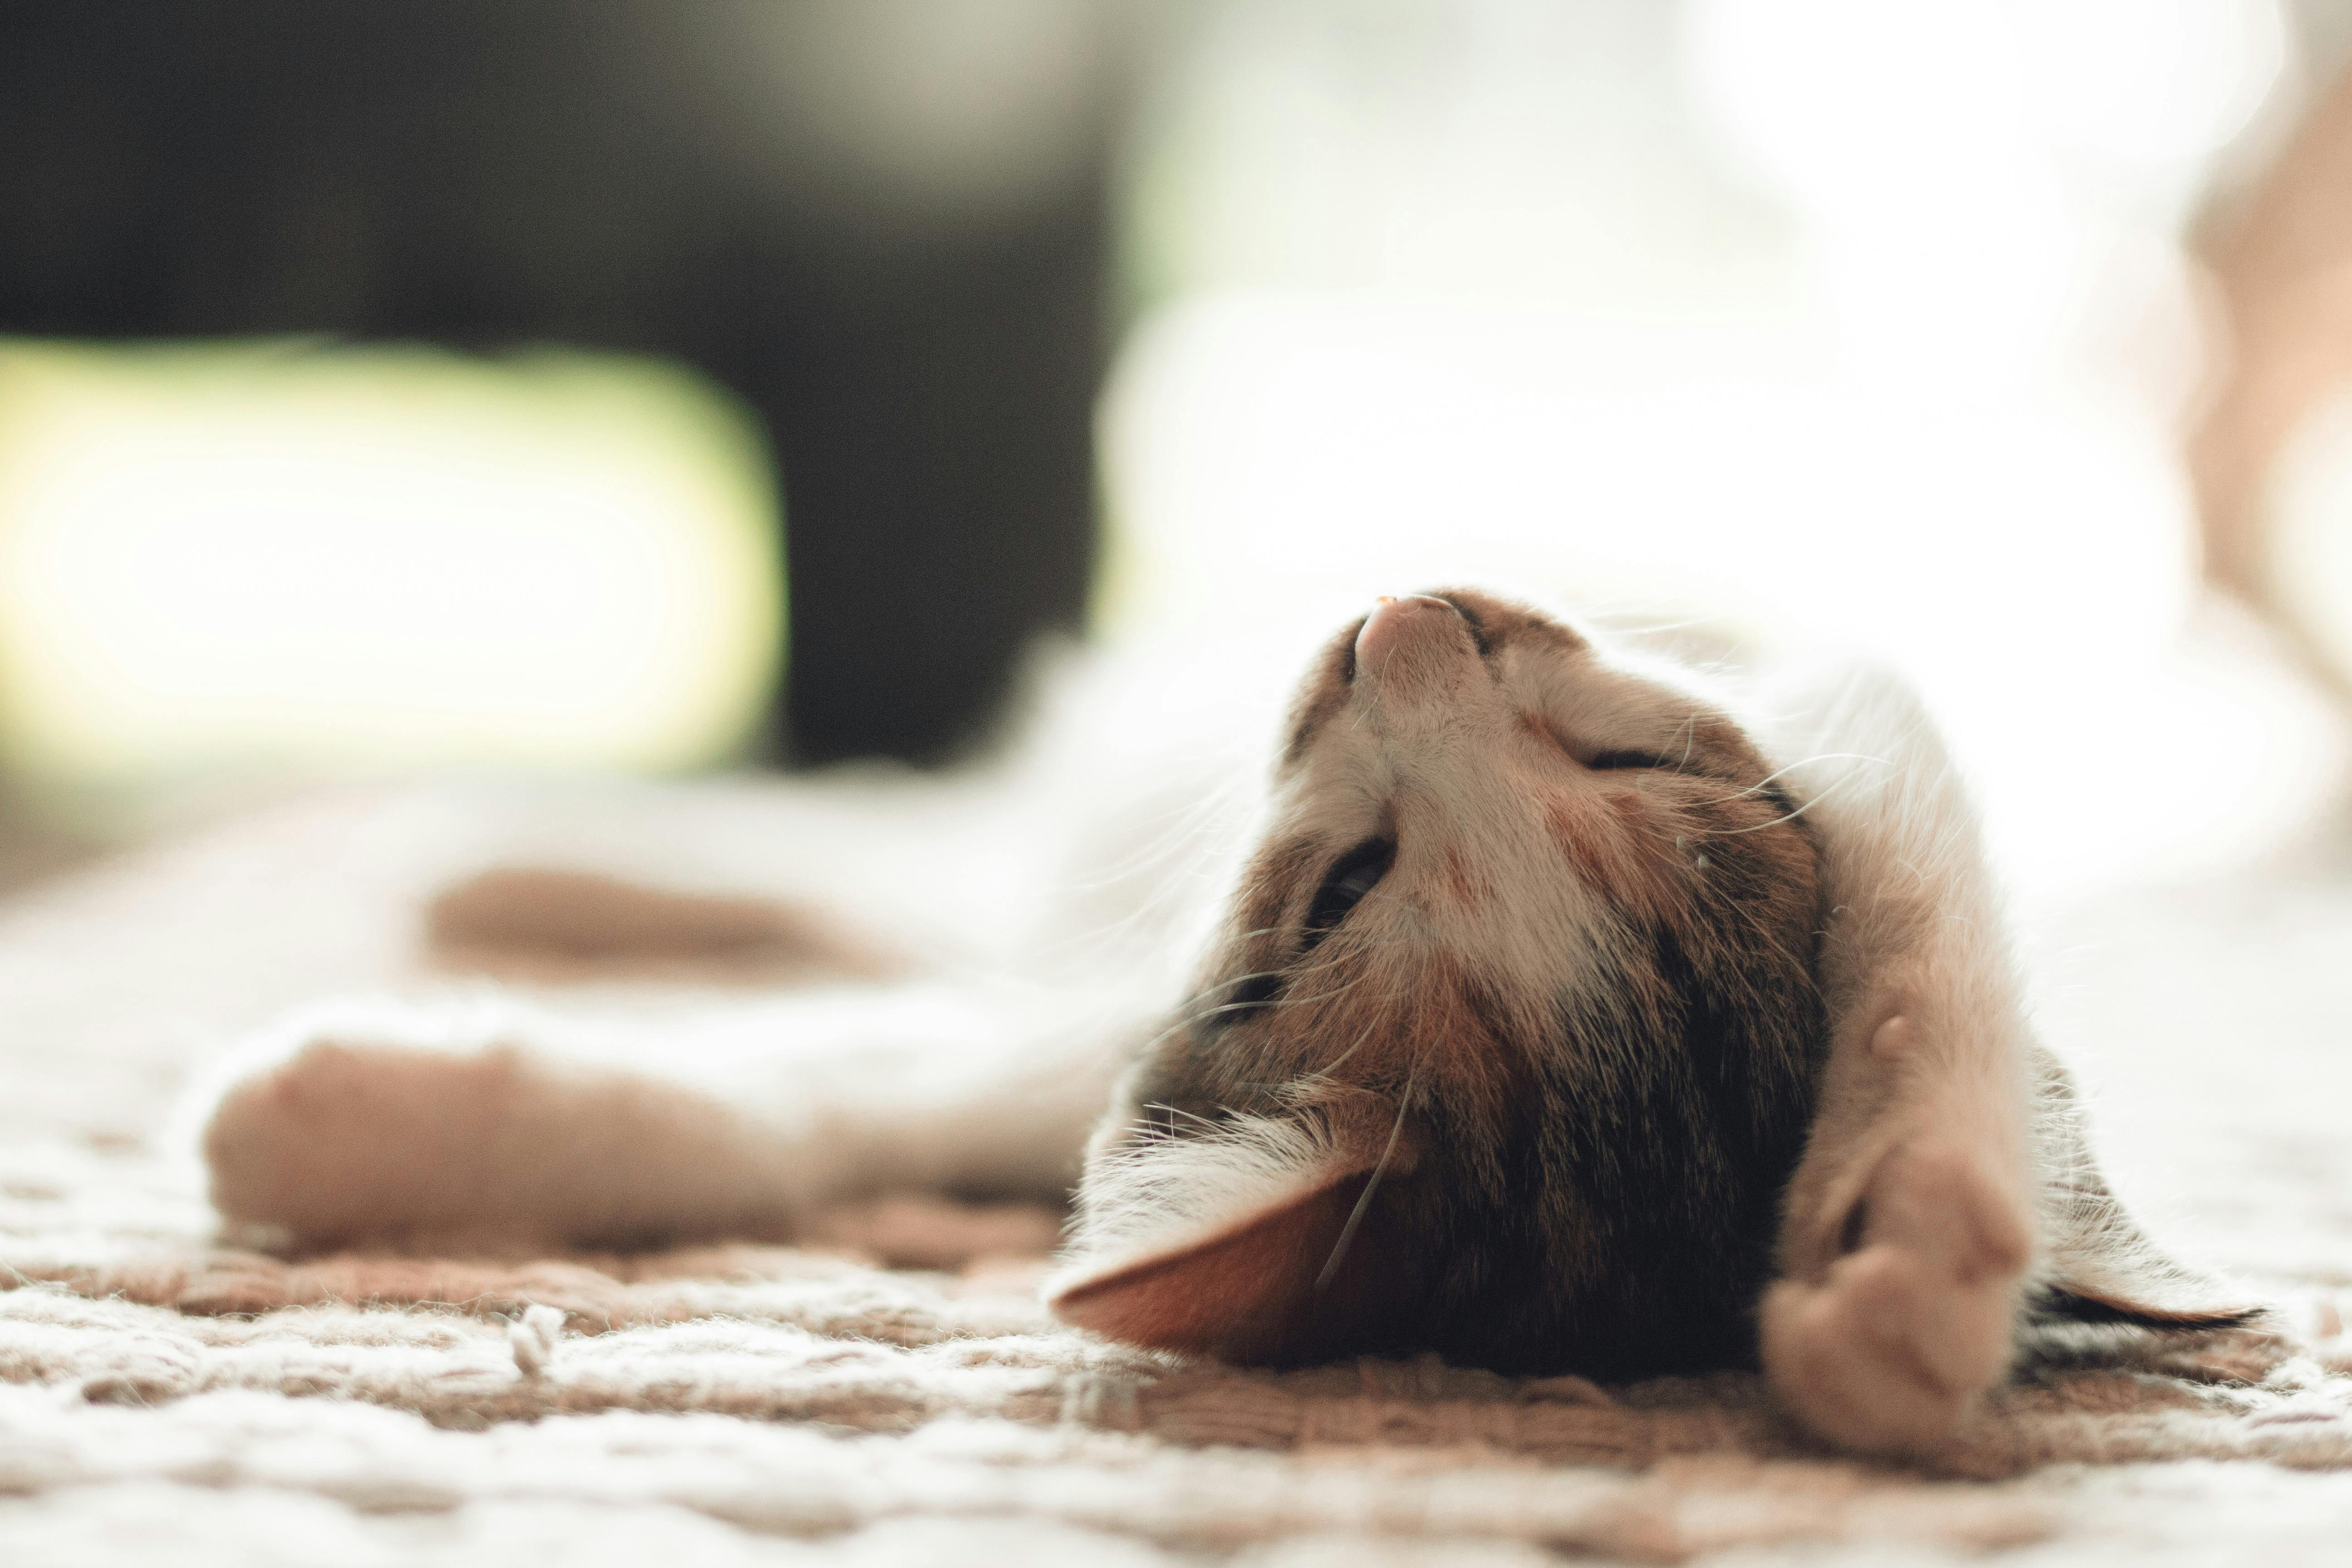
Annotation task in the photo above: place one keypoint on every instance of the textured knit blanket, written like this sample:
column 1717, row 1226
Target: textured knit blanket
column 891, row 1392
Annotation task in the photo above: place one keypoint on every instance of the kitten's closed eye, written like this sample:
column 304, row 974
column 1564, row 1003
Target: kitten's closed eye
column 1355, row 874
column 1611, row 760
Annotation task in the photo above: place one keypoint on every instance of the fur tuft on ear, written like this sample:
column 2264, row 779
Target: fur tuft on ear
column 2098, row 1268
column 1250, row 1244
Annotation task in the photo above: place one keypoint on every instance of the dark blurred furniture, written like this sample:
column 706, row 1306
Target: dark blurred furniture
column 647, row 175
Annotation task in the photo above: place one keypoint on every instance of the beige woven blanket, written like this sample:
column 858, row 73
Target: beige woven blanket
column 891, row 1393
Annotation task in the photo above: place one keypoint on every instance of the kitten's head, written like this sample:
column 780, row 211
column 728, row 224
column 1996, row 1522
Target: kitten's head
column 1508, row 1046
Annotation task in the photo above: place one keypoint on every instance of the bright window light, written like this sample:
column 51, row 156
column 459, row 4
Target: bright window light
column 1813, row 320
column 234, row 558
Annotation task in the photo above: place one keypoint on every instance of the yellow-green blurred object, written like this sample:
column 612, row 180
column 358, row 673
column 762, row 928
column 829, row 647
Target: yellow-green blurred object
column 281, row 556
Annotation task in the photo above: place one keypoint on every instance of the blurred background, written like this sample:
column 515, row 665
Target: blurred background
column 672, row 384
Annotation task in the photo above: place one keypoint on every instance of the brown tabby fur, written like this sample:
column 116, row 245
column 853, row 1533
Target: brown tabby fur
column 1585, row 1168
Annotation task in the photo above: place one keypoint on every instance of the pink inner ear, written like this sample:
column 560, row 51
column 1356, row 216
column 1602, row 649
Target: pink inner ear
column 1251, row 1293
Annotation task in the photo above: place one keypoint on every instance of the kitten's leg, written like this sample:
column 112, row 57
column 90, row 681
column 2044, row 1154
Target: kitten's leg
column 1909, row 1228
column 470, row 1128
column 386, row 1133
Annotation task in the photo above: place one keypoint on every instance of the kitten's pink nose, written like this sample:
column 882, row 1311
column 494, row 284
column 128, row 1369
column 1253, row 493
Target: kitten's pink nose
column 1398, row 624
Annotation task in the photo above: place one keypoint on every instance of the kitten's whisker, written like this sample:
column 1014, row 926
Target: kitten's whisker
column 1778, row 772
column 1323, row 1074
column 1210, row 1124
column 1186, row 1017
column 1789, row 816
column 1364, row 1198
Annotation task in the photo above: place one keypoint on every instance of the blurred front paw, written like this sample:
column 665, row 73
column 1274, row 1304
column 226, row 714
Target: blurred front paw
column 1892, row 1349
column 344, row 1143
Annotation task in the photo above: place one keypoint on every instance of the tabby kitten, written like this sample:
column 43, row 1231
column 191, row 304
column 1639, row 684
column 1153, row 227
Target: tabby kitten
column 1568, row 1016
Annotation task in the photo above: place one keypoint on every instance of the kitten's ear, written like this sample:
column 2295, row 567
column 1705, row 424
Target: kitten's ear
column 2097, row 1266
column 1208, row 1247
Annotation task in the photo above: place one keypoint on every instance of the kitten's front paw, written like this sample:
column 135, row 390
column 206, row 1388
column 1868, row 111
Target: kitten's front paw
column 348, row 1143
column 1891, row 1351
